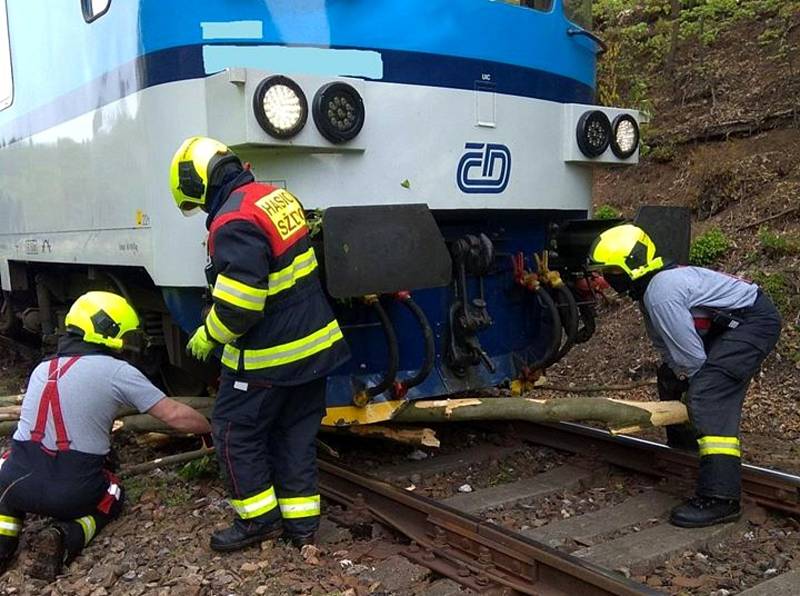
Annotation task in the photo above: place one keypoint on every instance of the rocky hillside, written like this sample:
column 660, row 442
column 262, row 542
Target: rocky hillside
column 723, row 139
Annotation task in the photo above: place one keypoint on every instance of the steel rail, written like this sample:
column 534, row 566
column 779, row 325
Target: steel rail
column 768, row 488
column 482, row 556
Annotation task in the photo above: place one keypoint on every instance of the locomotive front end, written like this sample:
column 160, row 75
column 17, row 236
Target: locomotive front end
column 443, row 150
column 435, row 161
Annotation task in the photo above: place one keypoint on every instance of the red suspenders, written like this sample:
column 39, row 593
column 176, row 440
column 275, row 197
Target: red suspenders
column 50, row 399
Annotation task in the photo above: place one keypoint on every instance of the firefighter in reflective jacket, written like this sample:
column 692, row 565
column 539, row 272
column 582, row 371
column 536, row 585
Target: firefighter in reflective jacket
column 713, row 332
column 58, row 466
column 279, row 341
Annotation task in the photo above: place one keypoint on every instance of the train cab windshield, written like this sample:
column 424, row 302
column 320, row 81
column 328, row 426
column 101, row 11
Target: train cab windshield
column 579, row 12
column 543, row 5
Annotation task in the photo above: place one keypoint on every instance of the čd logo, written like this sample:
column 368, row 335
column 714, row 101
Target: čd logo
column 484, row 168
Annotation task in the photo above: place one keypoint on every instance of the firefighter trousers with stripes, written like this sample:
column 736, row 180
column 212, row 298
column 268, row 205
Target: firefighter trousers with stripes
column 265, row 440
column 717, row 391
column 67, row 487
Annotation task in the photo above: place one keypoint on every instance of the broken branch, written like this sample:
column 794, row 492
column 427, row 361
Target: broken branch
column 169, row 460
column 616, row 414
column 425, row 437
column 768, row 218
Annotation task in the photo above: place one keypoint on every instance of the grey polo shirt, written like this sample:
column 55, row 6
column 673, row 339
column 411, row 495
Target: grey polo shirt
column 675, row 297
column 92, row 392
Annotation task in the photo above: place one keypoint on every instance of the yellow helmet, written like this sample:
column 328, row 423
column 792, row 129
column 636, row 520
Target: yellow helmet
column 627, row 248
column 191, row 170
column 102, row 318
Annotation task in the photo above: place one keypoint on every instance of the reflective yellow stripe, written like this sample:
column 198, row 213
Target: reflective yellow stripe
column 10, row 526
column 217, row 329
column 719, row 446
column 295, row 350
column 239, row 294
column 256, row 505
column 230, row 357
column 285, row 278
column 89, row 528
column 295, row 507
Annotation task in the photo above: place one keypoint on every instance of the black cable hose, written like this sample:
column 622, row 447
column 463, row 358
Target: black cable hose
column 568, row 309
column 394, row 354
column 430, row 345
column 547, row 303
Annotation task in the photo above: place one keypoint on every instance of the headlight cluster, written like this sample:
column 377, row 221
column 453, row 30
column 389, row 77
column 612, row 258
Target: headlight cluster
column 625, row 137
column 596, row 132
column 281, row 109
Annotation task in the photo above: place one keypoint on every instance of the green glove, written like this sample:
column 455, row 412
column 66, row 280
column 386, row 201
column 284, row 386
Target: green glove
column 200, row 345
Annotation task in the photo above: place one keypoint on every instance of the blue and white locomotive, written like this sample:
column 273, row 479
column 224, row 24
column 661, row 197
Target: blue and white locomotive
column 440, row 144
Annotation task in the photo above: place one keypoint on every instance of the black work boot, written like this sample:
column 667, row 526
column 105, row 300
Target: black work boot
column 700, row 511
column 299, row 540
column 243, row 533
column 5, row 563
column 48, row 554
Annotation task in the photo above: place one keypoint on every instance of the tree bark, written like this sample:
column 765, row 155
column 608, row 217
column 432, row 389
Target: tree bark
column 11, row 400
column 595, row 388
column 618, row 415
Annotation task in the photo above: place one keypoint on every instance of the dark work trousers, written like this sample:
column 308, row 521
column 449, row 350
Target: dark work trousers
column 717, row 392
column 670, row 388
column 67, row 486
column 265, row 439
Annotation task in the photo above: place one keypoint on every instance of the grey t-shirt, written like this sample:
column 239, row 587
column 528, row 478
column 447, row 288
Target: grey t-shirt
column 91, row 393
column 672, row 300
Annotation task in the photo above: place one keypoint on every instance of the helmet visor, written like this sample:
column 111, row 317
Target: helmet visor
column 609, row 269
column 134, row 341
column 189, row 209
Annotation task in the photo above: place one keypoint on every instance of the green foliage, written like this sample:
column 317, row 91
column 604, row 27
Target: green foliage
column 639, row 34
column 205, row 467
column 606, row 212
column 314, row 221
column 777, row 245
column 708, row 248
column 134, row 487
column 781, row 290
column 663, row 153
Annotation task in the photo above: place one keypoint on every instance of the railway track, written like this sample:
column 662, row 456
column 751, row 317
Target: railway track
column 489, row 541
column 481, row 540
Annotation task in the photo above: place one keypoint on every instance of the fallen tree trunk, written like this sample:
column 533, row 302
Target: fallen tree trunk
column 618, row 415
column 7, row 401
column 11, row 400
column 594, row 388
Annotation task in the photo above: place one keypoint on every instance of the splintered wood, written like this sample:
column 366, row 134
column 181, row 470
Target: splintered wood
column 617, row 414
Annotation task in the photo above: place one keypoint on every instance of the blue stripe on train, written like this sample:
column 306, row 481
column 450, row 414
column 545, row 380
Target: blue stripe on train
column 184, row 63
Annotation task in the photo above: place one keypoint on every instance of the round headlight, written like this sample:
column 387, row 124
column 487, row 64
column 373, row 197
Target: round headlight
column 625, row 137
column 338, row 112
column 594, row 133
column 280, row 107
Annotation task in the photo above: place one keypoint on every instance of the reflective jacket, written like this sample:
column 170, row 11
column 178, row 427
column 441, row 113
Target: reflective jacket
column 269, row 309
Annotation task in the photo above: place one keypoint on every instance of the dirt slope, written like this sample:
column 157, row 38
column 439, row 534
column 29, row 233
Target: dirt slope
column 725, row 142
